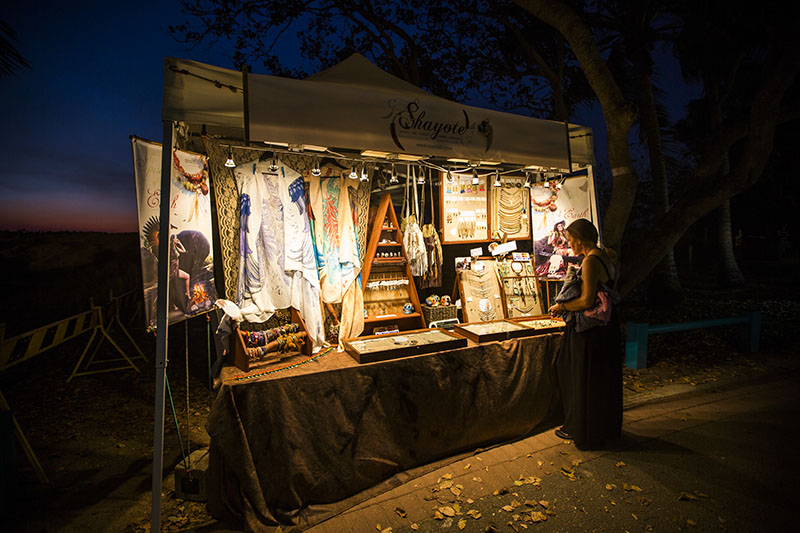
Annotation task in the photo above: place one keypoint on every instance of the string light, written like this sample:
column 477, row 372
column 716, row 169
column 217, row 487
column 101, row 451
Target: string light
column 315, row 171
column 229, row 163
column 421, row 178
column 364, row 174
column 475, row 179
column 450, row 177
column 394, row 179
column 527, row 180
column 273, row 166
column 497, row 182
column 353, row 174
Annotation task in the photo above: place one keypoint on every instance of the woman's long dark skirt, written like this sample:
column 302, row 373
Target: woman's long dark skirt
column 590, row 378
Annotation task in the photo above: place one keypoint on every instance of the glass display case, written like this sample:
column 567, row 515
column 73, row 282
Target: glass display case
column 375, row 348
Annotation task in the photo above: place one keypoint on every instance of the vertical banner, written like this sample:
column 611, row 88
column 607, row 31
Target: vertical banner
column 191, row 273
column 554, row 205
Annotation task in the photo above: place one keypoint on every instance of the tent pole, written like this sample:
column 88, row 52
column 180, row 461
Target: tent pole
column 162, row 325
column 569, row 147
column 246, row 104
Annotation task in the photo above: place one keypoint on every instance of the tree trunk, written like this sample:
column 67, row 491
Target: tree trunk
column 729, row 274
column 618, row 113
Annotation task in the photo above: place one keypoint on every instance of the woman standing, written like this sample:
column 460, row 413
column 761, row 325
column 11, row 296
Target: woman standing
column 590, row 361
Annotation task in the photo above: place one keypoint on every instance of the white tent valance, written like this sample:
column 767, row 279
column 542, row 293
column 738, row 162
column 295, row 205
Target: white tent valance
column 357, row 106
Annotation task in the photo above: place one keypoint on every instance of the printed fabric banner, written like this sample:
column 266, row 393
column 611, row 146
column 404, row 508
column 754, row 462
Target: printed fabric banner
column 554, row 205
column 191, row 263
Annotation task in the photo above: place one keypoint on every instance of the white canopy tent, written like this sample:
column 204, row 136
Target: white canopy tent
column 353, row 106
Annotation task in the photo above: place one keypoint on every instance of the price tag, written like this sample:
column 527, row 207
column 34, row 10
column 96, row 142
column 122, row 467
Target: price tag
column 469, row 298
column 497, row 296
column 476, row 252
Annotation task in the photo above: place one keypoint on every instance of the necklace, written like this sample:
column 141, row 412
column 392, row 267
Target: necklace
column 197, row 182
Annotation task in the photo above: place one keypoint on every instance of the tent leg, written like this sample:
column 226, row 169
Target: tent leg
column 162, row 325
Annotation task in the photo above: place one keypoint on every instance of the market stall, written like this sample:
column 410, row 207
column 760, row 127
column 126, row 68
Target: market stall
column 352, row 211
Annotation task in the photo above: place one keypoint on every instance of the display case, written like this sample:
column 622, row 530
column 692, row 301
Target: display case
column 520, row 286
column 464, row 208
column 375, row 348
column 242, row 355
column 481, row 295
column 539, row 325
column 510, row 209
column 390, row 296
column 496, row 330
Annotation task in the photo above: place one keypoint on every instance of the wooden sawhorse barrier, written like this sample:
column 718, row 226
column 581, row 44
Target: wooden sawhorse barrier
column 636, row 334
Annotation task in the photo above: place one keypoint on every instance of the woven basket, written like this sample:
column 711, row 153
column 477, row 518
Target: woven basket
column 440, row 312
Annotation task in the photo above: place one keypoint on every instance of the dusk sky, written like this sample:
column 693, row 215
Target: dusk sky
column 95, row 79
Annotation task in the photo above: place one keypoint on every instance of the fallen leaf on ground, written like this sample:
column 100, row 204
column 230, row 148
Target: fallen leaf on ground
column 445, row 485
column 530, row 503
column 456, row 490
column 620, row 464
column 544, row 503
column 400, row 512
column 457, row 508
column 576, row 462
column 610, row 486
column 462, row 524
column 627, row 487
column 447, row 476
column 447, row 523
column 387, row 530
column 474, row 513
column 438, row 515
column 537, row 516
column 512, row 526
column 701, row 494
column 477, row 479
column 507, row 508
column 634, row 516
column 467, row 466
column 691, row 522
column 687, row 496
column 415, row 526
column 447, row 511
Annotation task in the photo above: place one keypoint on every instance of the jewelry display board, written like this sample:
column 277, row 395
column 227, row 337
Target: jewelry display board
column 464, row 209
column 520, row 286
column 511, row 209
column 481, row 296
column 391, row 346
column 539, row 325
column 496, row 330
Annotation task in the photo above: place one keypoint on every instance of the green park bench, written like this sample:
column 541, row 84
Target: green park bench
column 636, row 334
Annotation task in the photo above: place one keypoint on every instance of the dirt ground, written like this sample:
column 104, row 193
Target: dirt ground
column 94, row 434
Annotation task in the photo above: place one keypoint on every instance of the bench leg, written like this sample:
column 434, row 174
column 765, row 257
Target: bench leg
column 636, row 345
column 750, row 333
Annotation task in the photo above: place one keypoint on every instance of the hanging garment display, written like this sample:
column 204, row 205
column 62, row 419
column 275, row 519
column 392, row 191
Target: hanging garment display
column 263, row 285
column 413, row 240
column 336, row 240
column 300, row 263
column 433, row 246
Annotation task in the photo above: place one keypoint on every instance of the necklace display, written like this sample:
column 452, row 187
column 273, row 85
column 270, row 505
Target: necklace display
column 519, row 286
column 510, row 208
column 479, row 289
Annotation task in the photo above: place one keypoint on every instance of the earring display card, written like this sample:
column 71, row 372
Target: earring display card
column 481, row 297
column 520, row 288
column 511, row 209
column 391, row 346
column 464, row 208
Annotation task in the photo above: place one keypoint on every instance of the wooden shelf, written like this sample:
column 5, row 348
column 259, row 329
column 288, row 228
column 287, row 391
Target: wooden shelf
column 384, row 318
column 385, row 214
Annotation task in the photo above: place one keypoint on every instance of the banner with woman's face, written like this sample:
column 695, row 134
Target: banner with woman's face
column 554, row 205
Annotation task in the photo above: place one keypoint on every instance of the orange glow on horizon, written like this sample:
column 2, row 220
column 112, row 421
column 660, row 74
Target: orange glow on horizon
column 70, row 217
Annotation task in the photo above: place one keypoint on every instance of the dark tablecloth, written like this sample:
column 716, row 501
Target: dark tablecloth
column 294, row 447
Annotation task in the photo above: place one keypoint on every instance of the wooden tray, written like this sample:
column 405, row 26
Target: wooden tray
column 372, row 348
column 539, row 329
column 495, row 330
column 237, row 354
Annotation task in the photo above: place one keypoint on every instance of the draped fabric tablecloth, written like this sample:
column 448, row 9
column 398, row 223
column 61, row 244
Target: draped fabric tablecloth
column 295, row 447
